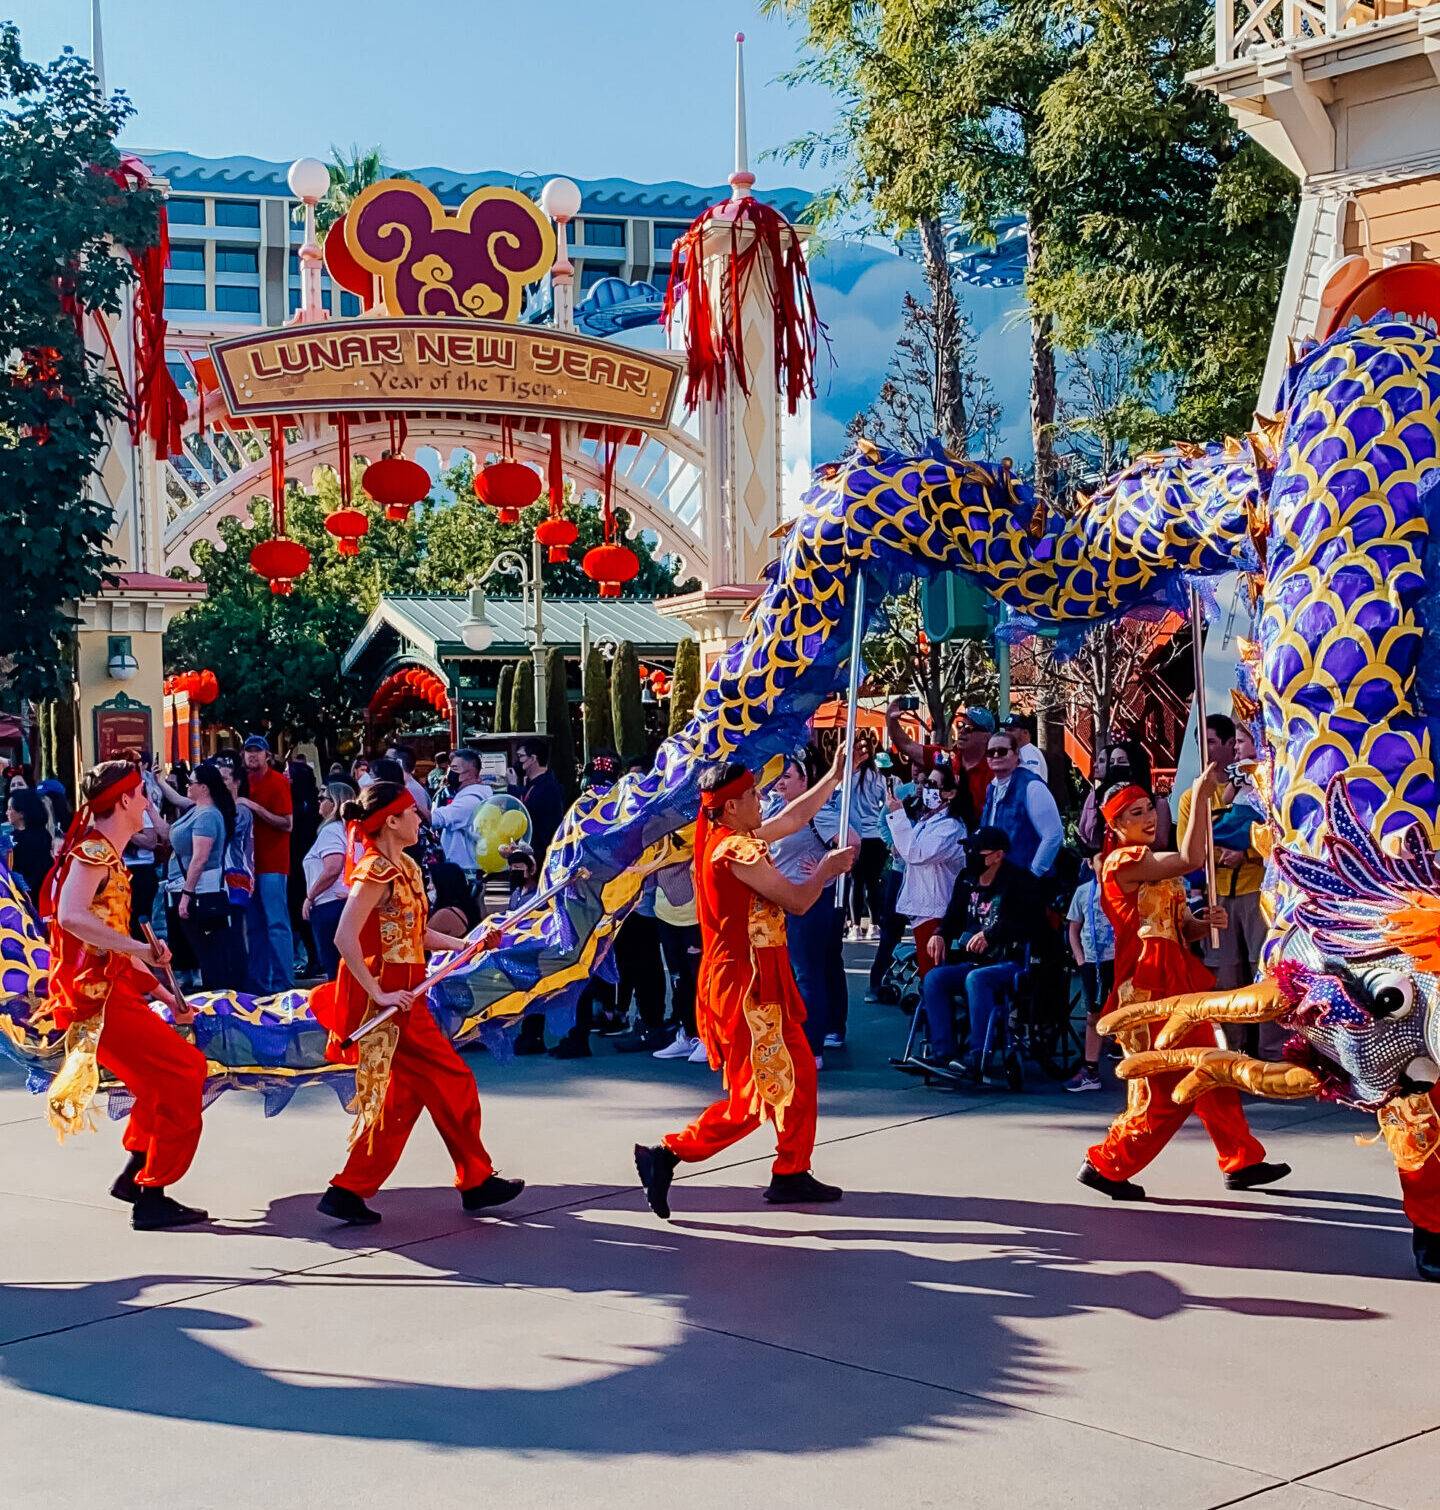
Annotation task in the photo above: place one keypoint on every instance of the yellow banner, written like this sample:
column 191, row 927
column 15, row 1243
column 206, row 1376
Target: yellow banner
column 412, row 365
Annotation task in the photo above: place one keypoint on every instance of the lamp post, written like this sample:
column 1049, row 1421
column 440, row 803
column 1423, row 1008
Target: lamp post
column 309, row 181
column 560, row 200
column 478, row 633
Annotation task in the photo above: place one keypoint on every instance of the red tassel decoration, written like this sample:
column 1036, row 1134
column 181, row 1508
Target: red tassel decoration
column 714, row 339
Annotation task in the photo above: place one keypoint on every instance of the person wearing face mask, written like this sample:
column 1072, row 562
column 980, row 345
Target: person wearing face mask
column 891, row 921
column 1115, row 762
column 930, row 838
column 1020, row 805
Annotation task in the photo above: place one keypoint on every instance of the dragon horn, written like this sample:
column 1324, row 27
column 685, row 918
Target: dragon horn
column 1214, row 1069
column 1258, row 1003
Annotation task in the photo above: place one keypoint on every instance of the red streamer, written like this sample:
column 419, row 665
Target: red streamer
column 714, row 337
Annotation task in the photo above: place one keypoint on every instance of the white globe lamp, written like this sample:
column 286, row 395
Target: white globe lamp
column 309, row 179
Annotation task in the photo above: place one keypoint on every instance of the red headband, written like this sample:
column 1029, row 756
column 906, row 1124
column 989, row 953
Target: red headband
column 1117, row 802
column 108, row 798
column 372, row 823
column 737, row 786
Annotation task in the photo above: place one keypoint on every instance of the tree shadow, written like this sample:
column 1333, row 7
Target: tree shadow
column 926, row 1302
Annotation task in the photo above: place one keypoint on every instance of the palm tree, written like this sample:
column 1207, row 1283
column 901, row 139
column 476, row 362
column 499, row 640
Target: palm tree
column 350, row 173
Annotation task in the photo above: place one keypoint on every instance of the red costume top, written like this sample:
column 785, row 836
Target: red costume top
column 83, row 977
column 1152, row 959
column 392, row 942
column 746, row 983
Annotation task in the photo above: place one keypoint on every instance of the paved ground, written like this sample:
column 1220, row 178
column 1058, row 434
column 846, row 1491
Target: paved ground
column 969, row 1328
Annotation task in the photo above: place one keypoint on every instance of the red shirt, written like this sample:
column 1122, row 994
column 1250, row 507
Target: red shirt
column 272, row 845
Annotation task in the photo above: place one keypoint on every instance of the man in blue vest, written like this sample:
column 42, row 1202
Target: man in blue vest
column 1020, row 805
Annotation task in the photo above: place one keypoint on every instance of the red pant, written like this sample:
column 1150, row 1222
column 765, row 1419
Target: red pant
column 165, row 1074
column 1421, row 1189
column 1151, row 1119
column 726, row 1122
column 426, row 1074
column 924, row 932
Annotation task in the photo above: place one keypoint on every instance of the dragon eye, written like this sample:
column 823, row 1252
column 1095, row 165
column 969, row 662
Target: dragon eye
column 1391, row 995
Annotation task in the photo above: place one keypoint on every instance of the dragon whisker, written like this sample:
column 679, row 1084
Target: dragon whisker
column 1216, row 1069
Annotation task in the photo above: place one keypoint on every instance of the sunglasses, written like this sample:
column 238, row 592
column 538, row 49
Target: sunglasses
column 998, row 752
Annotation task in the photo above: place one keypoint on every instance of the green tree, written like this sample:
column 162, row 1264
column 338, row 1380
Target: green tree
column 504, row 693
column 522, row 697
column 61, row 218
column 626, row 708
column 558, row 727
column 599, row 727
column 685, row 683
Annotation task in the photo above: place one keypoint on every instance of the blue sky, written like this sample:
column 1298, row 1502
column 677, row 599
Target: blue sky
column 631, row 88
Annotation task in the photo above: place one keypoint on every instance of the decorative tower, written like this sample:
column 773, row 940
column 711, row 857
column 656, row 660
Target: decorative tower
column 1345, row 93
column 739, row 300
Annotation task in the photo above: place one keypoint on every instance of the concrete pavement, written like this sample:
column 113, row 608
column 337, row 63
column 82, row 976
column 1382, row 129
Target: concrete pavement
column 968, row 1328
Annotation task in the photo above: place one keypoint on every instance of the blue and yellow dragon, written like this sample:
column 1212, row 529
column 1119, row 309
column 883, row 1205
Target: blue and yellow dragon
column 1328, row 508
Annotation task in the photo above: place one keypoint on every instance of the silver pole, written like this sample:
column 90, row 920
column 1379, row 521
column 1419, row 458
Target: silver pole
column 852, row 706
column 542, row 692
column 1197, row 624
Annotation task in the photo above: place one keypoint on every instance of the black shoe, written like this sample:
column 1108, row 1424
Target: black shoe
column 531, row 1037
column 1117, row 1190
column 935, row 1065
column 571, row 1047
column 1256, row 1174
column 800, row 1190
column 611, row 1025
column 656, row 1167
column 643, row 1042
column 154, row 1211
column 494, row 1191
column 1426, row 1248
column 345, row 1206
column 125, row 1189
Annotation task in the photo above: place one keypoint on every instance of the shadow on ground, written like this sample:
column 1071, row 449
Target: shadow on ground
column 928, row 1298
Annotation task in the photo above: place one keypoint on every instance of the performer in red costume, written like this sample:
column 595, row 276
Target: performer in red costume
column 748, row 1010
column 100, row 980
column 1144, row 898
column 406, row 1065
column 1410, row 1126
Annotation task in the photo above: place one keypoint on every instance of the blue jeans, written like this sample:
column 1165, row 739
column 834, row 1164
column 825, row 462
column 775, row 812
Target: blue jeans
column 817, row 939
column 324, row 920
column 272, row 951
column 985, row 988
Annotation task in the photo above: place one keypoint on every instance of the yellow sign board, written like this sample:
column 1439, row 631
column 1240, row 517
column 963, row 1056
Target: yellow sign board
column 411, row 365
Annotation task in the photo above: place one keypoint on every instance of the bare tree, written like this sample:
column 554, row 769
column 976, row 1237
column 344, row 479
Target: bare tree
column 902, row 658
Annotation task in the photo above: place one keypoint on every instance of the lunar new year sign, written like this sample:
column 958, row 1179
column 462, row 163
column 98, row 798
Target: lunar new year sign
column 412, row 364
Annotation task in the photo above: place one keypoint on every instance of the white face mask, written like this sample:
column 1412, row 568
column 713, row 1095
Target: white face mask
column 366, row 780
column 930, row 796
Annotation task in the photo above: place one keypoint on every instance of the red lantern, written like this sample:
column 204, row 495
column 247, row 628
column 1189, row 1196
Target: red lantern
column 349, row 527
column 280, row 560
column 644, row 671
column 558, row 534
column 659, row 683
column 397, row 483
column 611, row 566
column 508, row 486
column 209, row 687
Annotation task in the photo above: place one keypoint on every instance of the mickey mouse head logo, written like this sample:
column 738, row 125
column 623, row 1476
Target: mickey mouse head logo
column 472, row 263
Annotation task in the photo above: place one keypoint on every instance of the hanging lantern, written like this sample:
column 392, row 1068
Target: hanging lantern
column 508, row 486
column 397, row 484
column 280, row 560
column 557, row 534
column 659, row 683
column 611, row 566
column 645, row 672
column 349, row 527
column 208, row 688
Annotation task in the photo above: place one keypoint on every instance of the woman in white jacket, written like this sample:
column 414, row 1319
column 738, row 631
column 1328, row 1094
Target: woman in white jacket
column 930, row 838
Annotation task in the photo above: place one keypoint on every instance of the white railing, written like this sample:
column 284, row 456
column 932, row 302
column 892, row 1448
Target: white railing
column 1245, row 26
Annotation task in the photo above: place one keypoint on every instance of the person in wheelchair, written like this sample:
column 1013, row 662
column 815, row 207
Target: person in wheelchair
column 985, row 936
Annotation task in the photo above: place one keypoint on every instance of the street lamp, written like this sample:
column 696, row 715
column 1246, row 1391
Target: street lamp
column 309, row 181
column 478, row 633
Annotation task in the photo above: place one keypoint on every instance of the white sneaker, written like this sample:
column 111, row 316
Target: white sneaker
column 852, row 934
column 819, row 1061
column 699, row 1054
column 680, row 1049
column 834, row 1041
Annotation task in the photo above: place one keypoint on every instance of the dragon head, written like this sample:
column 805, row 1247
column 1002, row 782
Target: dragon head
column 1359, row 963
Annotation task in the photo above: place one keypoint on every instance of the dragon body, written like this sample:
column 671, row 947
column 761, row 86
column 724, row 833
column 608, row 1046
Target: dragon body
column 1326, row 508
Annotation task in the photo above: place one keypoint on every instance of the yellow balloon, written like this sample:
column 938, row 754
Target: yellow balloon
column 490, row 860
column 513, row 826
column 487, row 819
